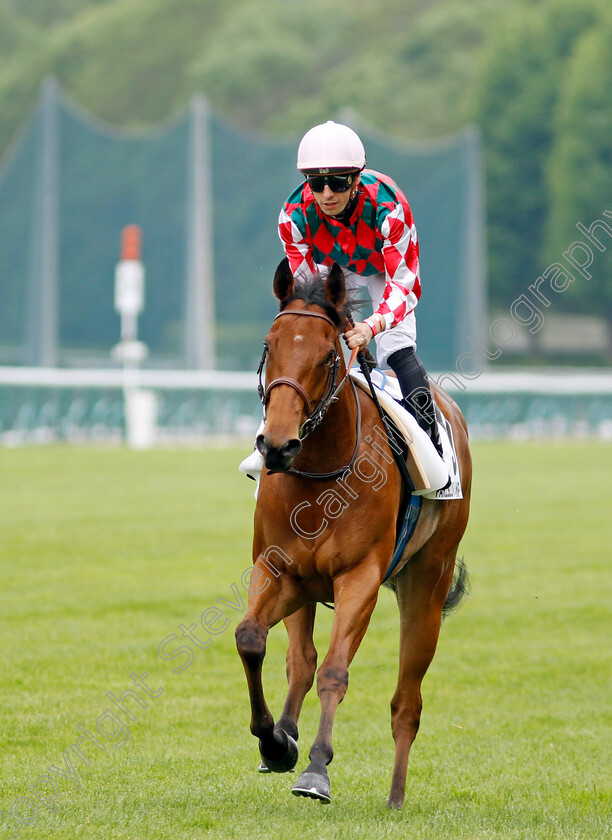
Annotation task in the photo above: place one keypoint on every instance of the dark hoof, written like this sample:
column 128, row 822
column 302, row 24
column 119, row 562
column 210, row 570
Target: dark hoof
column 313, row 785
column 263, row 768
column 394, row 806
column 285, row 762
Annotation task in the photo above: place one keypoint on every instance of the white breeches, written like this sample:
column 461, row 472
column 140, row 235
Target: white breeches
column 387, row 342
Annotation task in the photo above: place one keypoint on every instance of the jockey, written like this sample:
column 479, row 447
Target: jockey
column 360, row 219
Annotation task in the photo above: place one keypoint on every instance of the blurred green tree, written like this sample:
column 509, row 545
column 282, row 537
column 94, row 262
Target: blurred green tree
column 516, row 104
column 49, row 12
column 579, row 168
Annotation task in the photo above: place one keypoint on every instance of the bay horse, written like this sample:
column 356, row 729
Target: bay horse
column 325, row 530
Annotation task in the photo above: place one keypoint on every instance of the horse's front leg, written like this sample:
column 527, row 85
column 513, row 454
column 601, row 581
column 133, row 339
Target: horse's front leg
column 301, row 666
column 278, row 749
column 355, row 596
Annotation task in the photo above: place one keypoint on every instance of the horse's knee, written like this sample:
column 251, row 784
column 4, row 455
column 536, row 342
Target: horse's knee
column 334, row 680
column 251, row 641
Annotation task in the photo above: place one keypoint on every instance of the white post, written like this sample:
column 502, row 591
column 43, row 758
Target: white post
column 140, row 417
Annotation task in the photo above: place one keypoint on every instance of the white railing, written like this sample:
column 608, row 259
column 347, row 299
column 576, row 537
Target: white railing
column 541, row 381
column 115, row 378
column 39, row 405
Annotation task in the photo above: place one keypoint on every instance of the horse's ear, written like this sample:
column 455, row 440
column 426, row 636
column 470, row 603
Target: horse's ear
column 335, row 287
column 284, row 283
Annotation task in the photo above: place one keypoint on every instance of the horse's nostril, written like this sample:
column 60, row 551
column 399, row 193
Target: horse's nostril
column 291, row 449
column 261, row 445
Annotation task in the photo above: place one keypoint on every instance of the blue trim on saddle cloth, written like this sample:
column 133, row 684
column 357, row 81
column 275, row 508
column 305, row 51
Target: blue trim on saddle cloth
column 411, row 518
column 383, row 373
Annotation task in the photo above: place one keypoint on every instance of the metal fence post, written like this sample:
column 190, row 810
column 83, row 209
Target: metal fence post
column 42, row 325
column 200, row 305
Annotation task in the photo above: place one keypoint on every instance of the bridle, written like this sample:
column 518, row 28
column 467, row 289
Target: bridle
column 316, row 415
column 330, row 395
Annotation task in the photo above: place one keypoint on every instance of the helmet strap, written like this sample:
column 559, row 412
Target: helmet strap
column 345, row 216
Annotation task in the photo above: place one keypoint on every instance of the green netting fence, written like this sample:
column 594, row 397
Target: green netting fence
column 207, row 197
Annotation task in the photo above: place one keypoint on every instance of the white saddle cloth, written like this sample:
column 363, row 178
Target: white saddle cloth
column 436, row 470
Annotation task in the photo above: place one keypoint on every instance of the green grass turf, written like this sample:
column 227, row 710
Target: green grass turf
column 105, row 552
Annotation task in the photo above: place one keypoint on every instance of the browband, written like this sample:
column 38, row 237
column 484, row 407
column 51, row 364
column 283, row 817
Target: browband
column 309, row 313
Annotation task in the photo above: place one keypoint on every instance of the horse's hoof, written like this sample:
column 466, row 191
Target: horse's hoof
column 283, row 764
column 263, row 768
column 313, row 785
column 394, row 805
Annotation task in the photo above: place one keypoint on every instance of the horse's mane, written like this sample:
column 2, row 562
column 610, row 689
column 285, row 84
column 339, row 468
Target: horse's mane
column 312, row 291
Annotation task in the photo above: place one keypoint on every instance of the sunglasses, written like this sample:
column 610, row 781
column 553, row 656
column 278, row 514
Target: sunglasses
column 336, row 183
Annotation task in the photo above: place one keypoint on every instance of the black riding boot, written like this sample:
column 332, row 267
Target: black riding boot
column 418, row 400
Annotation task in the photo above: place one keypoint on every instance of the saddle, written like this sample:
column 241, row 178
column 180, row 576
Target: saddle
column 429, row 473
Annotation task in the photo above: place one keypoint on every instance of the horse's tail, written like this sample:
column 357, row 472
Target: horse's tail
column 460, row 587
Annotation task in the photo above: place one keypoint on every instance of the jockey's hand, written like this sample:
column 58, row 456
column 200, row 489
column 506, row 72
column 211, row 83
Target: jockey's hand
column 358, row 336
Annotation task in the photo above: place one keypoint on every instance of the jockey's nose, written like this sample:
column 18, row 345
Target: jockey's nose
column 278, row 458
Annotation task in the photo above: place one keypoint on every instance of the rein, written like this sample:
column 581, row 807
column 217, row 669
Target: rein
column 392, row 434
column 330, row 395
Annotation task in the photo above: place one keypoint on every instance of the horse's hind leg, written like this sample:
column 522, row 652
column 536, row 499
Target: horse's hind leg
column 301, row 665
column 422, row 586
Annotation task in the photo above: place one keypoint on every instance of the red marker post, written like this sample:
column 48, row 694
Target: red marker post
column 129, row 293
column 140, row 405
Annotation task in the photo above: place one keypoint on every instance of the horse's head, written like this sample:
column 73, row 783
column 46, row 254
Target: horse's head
column 303, row 360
